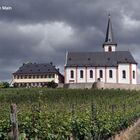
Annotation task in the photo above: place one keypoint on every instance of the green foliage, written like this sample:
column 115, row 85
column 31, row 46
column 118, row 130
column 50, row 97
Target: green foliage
column 52, row 84
column 4, row 85
column 58, row 114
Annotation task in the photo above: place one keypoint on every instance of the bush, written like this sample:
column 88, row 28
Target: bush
column 4, row 85
column 52, row 84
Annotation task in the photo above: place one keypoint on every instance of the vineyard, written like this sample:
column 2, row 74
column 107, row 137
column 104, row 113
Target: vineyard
column 60, row 114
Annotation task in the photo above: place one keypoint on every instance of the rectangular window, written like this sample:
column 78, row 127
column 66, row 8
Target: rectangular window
column 101, row 74
column 123, row 74
column 72, row 74
column 81, row 74
column 52, row 75
column 91, row 73
column 110, row 74
column 134, row 74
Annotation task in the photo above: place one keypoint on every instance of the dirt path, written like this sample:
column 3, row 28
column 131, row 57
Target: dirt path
column 131, row 133
column 135, row 135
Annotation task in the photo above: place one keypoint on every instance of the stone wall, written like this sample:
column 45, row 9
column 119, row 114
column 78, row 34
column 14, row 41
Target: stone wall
column 78, row 86
column 122, row 86
column 102, row 85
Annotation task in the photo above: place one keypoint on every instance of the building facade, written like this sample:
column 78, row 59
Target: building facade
column 36, row 75
column 109, row 66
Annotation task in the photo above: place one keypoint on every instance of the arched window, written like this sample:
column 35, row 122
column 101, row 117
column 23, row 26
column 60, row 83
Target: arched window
column 110, row 49
column 124, row 74
column 81, row 74
column 134, row 74
column 101, row 74
column 110, row 74
column 91, row 73
column 72, row 74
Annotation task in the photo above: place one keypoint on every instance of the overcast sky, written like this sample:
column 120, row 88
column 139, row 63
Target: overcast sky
column 43, row 30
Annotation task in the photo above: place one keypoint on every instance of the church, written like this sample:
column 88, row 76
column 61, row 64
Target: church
column 108, row 66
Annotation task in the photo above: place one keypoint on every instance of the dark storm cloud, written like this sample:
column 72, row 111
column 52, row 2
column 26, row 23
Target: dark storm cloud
column 43, row 30
column 79, row 12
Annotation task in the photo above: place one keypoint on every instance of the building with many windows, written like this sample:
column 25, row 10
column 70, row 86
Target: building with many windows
column 109, row 66
column 36, row 75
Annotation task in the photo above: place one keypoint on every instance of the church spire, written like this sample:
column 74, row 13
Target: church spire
column 109, row 39
column 109, row 33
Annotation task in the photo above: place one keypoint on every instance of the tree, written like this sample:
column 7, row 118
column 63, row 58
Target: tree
column 4, row 85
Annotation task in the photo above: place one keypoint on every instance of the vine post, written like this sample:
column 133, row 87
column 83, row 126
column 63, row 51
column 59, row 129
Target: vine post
column 113, row 108
column 14, row 122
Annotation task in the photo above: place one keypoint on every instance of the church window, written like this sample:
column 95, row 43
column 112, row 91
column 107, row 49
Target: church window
column 110, row 74
column 81, row 74
column 72, row 74
column 134, row 74
column 101, row 73
column 124, row 74
column 91, row 73
column 110, row 49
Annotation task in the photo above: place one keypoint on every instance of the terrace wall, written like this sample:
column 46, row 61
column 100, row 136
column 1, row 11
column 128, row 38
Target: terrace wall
column 102, row 85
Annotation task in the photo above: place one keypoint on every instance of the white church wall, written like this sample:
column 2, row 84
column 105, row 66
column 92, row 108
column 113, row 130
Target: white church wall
column 90, row 80
column 68, row 78
column 134, row 68
column 126, row 68
column 114, row 75
column 79, row 79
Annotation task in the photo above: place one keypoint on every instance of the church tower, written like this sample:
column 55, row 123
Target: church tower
column 109, row 44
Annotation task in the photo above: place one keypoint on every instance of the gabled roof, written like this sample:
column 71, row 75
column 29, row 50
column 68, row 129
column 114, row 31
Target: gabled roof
column 34, row 68
column 100, row 59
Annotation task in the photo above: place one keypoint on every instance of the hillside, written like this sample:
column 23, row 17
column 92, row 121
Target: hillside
column 58, row 114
